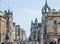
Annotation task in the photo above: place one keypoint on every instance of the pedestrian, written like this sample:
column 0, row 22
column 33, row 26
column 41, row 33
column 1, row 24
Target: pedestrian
column 2, row 43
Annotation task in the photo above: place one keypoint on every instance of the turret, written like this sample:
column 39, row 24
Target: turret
column 9, row 13
column 31, row 23
column 36, row 21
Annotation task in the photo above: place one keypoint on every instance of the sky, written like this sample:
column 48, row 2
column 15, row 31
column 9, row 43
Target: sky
column 26, row 10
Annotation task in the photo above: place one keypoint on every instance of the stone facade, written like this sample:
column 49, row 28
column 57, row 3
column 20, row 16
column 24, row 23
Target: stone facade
column 23, row 34
column 35, row 28
column 2, row 27
column 17, row 32
column 9, row 25
column 14, row 31
column 20, row 33
column 53, row 26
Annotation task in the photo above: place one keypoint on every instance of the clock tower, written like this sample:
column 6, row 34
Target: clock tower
column 45, row 9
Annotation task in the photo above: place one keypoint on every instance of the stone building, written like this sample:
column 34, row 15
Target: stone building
column 35, row 27
column 14, row 31
column 9, row 25
column 23, row 34
column 2, row 27
column 50, row 24
column 53, row 26
column 20, row 33
column 39, row 33
column 45, row 9
column 17, row 32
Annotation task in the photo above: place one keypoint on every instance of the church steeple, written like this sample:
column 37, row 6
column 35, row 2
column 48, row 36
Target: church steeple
column 45, row 8
column 46, row 2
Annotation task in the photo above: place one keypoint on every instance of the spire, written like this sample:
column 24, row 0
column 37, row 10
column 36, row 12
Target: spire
column 45, row 8
column 8, row 10
column 36, row 20
column 31, row 23
column 46, row 2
